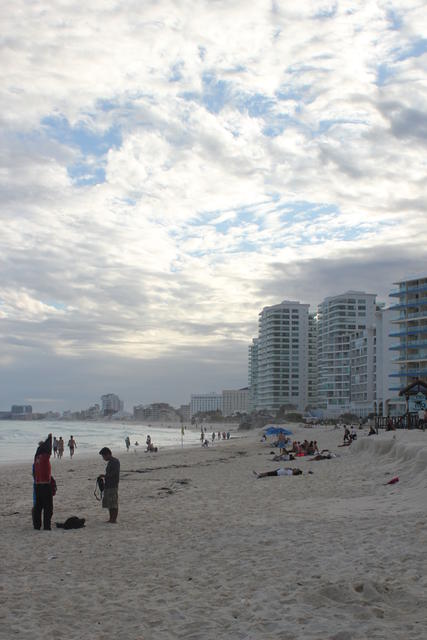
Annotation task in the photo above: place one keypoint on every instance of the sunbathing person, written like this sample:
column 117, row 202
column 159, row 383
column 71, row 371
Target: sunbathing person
column 285, row 457
column 325, row 455
column 287, row 471
column 310, row 450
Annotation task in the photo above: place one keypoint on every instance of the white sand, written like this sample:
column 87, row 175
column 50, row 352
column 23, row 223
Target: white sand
column 204, row 550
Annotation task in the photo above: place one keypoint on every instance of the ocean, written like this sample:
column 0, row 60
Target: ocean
column 19, row 439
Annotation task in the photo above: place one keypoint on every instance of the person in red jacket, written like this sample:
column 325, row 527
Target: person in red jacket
column 43, row 486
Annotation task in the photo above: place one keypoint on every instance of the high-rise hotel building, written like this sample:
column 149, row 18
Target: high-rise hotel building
column 312, row 362
column 409, row 332
column 354, row 356
column 253, row 374
column 278, row 358
column 340, row 319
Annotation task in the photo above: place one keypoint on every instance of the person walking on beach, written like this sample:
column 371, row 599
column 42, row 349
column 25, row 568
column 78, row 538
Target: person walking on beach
column 55, row 446
column 60, row 447
column 111, row 477
column 127, row 443
column 43, row 485
column 72, row 445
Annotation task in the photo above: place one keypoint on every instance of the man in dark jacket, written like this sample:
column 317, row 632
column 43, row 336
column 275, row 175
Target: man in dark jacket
column 110, row 499
column 43, row 485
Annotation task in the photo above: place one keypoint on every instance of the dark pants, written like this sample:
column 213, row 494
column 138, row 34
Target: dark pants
column 44, row 502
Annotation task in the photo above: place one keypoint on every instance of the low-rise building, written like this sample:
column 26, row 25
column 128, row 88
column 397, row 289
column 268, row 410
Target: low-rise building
column 21, row 412
column 184, row 412
column 235, row 401
column 111, row 403
column 205, row 402
column 156, row 412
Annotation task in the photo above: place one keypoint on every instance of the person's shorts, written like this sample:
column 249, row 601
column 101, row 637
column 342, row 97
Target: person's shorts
column 110, row 499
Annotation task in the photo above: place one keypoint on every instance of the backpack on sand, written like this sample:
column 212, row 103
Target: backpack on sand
column 72, row 523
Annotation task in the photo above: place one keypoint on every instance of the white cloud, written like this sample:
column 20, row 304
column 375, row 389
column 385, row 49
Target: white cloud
column 228, row 120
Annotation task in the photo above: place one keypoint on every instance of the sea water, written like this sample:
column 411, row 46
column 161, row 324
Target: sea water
column 19, row 439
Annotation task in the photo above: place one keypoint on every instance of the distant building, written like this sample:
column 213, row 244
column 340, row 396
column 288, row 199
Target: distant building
column 94, row 411
column 111, row 403
column 156, row 412
column 184, row 412
column 205, row 402
column 21, row 412
column 20, row 409
column 235, row 401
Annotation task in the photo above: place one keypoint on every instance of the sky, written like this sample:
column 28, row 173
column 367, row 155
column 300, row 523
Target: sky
column 169, row 168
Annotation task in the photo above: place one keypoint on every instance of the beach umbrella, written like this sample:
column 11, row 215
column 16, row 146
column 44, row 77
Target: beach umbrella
column 274, row 431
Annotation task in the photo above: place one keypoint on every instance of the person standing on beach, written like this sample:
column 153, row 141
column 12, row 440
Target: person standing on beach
column 55, row 446
column 127, row 443
column 72, row 445
column 43, row 485
column 110, row 499
column 60, row 447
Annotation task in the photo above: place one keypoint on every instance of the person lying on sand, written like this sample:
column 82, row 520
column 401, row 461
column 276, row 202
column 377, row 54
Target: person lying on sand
column 325, row 455
column 287, row 471
column 283, row 457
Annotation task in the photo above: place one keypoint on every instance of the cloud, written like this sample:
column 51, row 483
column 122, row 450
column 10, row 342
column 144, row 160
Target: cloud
column 168, row 170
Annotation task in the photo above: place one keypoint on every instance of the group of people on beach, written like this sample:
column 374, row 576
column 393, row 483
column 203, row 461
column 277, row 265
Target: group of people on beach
column 58, row 446
column 349, row 436
column 44, row 484
column 291, row 450
column 224, row 435
column 148, row 442
column 305, row 448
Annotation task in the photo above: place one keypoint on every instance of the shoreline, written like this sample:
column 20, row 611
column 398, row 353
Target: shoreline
column 85, row 453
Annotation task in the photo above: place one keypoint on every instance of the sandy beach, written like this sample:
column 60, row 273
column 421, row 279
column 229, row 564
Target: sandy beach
column 205, row 550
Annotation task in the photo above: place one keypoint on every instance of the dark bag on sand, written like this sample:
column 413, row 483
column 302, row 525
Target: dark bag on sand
column 99, row 488
column 72, row 523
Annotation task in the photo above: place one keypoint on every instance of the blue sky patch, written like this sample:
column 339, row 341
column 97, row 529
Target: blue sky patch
column 215, row 92
column 416, row 49
column 395, row 20
column 384, row 72
column 57, row 305
column 175, row 74
column 88, row 141
column 326, row 12
column 106, row 105
column 84, row 175
column 256, row 105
